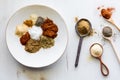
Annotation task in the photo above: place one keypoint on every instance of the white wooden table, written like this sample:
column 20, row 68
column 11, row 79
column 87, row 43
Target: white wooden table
column 89, row 68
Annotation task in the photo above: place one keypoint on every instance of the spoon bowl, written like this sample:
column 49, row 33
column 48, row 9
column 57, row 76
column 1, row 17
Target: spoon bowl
column 96, row 55
column 107, row 33
column 81, row 37
column 76, row 27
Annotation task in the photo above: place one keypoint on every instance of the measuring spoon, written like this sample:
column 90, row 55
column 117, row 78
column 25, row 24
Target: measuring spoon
column 81, row 38
column 107, row 34
column 96, row 50
column 108, row 17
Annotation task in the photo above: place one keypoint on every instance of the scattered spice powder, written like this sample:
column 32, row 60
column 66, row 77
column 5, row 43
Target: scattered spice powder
column 99, row 7
column 92, row 32
column 76, row 19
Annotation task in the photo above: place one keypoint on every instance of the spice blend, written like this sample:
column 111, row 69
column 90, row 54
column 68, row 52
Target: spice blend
column 37, row 32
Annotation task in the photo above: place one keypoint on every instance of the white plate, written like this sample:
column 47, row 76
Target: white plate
column 43, row 57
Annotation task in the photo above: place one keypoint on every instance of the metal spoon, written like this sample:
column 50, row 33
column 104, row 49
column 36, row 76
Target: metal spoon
column 81, row 38
column 108, row 30
column 98, row 54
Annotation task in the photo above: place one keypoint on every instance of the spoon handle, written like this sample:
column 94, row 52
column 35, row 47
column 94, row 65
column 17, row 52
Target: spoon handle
column 104, row 68
column 78, row 51
column 117, row 55
column 112, row 22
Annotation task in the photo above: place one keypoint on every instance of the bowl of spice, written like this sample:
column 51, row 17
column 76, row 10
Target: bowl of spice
column 34, row 36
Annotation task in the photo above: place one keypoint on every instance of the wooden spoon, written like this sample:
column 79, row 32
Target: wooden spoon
column 98, row 55
column 109, row 38
column 113, row 23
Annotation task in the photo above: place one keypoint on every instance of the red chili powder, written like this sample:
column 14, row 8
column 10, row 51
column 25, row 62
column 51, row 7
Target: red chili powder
column 107, row 13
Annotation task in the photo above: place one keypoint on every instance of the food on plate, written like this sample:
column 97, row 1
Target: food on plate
column 107, row 13
column 24, row 38
column 37, row 32
column 29, row 23
column 39, row 21
column 33, row 46
column 21, row 29
column 83, row 27
column 46, row 42
column 50, row 33
column 53, row 28
column 49, row 28
column 48, row 24
column 34, row 18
